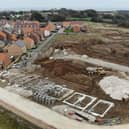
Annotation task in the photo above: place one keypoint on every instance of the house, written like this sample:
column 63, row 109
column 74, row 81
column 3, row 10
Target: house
column 51, row 27
column 26, row 31
column 35, row 37
column 8, row 27
column 29, row 42
column 6, row 23
column 13, row 50
column 58, row 26
column 45, row 31
column 48, row 29
column 21, row 44
column 66, row 24
column 13, row 37
column 76, row 28
column 84, row 28
column 34, row 25
column 40, row 34
column 3, row 36
column 2, row 44
column 4, row 60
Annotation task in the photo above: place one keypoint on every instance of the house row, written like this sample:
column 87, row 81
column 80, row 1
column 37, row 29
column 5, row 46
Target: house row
column 76, row 26
column 14, row 49
column 27, row 27
column 17, row 39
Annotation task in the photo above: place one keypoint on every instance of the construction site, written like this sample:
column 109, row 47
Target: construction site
column 82, row 76
column 106, row 42
column 100, row 92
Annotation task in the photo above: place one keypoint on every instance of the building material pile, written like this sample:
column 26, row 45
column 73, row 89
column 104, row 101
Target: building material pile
column 49, row 93
column 19, row 90
column 116, row 87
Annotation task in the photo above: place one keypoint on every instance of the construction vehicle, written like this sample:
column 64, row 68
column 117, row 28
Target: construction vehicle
column 96, row 71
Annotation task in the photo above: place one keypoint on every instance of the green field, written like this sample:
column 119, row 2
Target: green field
column 79, row 19
column 11, row 121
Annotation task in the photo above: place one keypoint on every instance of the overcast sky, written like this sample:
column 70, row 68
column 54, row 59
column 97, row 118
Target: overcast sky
column 74, row 4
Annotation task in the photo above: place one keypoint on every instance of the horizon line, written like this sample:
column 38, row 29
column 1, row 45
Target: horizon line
column 41, row 9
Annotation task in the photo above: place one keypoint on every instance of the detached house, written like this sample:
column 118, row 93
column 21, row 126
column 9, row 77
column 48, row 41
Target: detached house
column 4, row 61
column 3, row 36
column 76, row 28
column 26, row 31
column 29, row 43
column 66, row 24
column 2, row 44
column 16, row 49
column 13, row 37
column 40, row 34
column 35, row 37
column 51, row 27
column 22, row 45
column 45, row 31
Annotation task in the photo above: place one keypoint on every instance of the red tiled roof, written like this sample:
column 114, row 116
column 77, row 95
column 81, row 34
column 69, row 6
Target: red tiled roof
column 2, row 35
column 76, row 28
column 28, row 40
column 27, row 30
column 13, row 37
column 66, row 23
column 35, row 37
column 49, row 27
column 4, row 58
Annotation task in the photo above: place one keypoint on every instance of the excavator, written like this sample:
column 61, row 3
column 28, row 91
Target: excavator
column 96, row 71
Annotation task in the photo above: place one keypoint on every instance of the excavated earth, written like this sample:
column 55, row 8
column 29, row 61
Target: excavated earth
column 73, row 74
column 112, row 46
column 104, row 43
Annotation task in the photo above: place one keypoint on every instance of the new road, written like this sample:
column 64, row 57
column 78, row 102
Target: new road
column 45, row 44
column 95, row 61
column 42, row 116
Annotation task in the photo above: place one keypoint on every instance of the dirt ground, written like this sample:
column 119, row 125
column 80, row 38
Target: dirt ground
column 107, row 43
column 74, row 75
column 102, row 41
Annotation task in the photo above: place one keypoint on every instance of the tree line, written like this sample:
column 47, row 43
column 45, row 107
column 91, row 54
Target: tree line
column 120, row 18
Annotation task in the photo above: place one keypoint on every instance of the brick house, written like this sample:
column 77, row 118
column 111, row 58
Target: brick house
column 66, row 24
column 3, row 36
column 4, row 60
column 21, row 44
column 27, row 26
column 29, row 42
column 76, row 28
column 13, row 50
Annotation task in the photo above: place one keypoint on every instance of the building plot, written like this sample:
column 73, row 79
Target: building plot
column 101, row 108
column 80, row 101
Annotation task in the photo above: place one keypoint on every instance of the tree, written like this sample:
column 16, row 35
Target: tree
column 91, row 13
column 37, row 16
column 56, row 18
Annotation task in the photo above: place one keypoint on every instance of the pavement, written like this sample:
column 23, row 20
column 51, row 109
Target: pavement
column 42, row 116
column 45, row 44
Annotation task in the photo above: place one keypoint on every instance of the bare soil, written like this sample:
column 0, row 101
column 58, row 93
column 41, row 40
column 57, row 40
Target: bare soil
column 100, row 108
column 74, row 98
column 75, row 77
column 84, row 102
column 105, row 44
